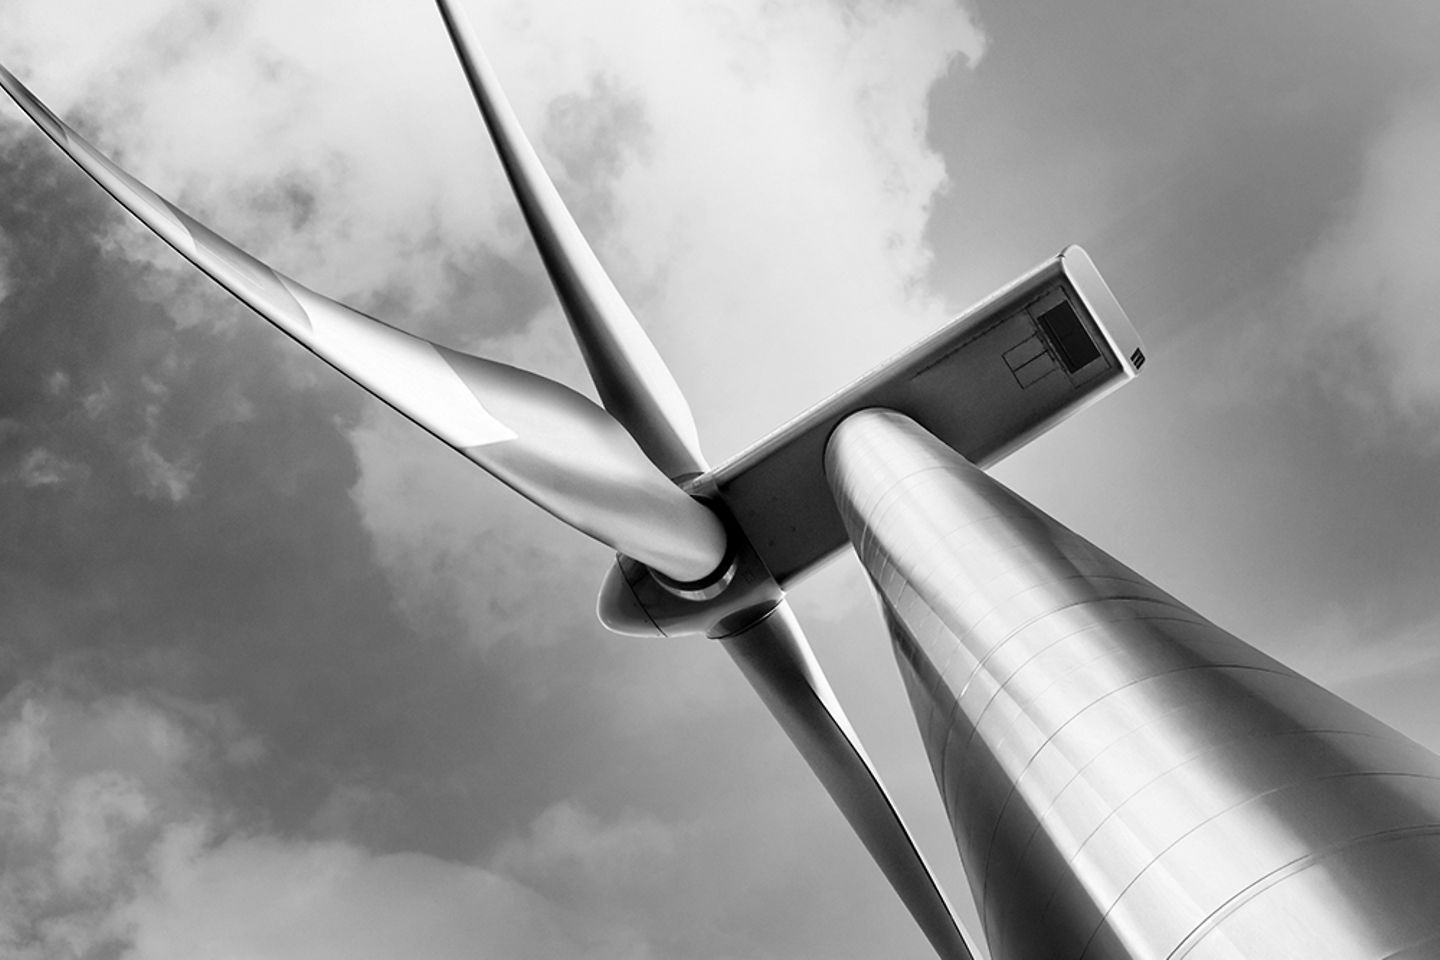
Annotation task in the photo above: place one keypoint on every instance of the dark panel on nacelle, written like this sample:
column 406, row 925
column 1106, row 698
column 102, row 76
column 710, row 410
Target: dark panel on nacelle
column 986, row 383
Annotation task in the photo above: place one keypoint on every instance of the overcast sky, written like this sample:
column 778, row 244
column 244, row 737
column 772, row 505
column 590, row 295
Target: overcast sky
column 283, row 678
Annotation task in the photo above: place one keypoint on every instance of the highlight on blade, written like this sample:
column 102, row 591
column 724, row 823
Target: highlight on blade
column 544, row 440
column 633, row 382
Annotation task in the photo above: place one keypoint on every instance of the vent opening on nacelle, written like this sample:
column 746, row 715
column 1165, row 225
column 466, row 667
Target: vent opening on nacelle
column 1063, row 328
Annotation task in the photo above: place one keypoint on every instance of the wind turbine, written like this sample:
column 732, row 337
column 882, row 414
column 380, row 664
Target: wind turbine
column 1124, row 779
column 629, row 474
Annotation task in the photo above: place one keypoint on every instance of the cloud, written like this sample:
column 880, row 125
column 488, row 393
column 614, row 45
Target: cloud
column 43, row 468
column 465, row 558
column 5, row 280
column 264, row 898
column 765, row 168
column 570, row 850
column 784, row 184
column 88, row 786
column 115, row 842
column 229, row 111
column 755, row 177
column 760, row 173
column 246, row 571
column 1369, row 292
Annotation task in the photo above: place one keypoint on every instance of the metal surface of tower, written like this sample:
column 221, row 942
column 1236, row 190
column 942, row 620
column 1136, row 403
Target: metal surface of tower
column 1124, row 778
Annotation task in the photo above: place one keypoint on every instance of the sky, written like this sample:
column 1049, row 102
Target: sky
column 283, row 678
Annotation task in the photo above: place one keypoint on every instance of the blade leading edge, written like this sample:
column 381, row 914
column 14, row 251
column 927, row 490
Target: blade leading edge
column 544, row 440
column 633, row 382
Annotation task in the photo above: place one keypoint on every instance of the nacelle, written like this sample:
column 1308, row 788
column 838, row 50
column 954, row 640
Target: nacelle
column 1005, row 371
column 1002, row 373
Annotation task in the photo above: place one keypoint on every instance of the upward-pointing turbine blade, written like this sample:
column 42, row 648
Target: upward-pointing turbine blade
column 633, row 382
column 541, row 438
column 776, row 658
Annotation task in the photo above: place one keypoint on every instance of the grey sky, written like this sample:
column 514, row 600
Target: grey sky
column 283, row 676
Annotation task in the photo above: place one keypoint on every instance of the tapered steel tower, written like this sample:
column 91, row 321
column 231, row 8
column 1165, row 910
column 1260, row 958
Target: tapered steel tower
column 1124, row 778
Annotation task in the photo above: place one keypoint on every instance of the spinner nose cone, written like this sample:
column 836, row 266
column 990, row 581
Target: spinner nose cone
column 619, row 609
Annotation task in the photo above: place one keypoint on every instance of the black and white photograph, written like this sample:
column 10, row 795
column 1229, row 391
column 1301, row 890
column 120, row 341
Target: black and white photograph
column 689, row 480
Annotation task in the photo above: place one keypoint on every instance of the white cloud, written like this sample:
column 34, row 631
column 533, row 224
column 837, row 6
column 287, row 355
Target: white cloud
column 6, row 282
column 777, row 180
column 85, row 788
column 1370, row 291
column 40, row 467
column 462, row 557
column 266, row 899
column 571, row 851
column 113, row 839
column 784, row 187
column 95, row 814
column 773, row 178
column 160, row 479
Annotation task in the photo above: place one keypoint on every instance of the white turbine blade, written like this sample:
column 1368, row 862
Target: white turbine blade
column 543, row 439
column 633, row 382
column 776, row 658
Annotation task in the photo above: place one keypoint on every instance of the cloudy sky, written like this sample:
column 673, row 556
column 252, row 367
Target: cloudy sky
column 283, row 678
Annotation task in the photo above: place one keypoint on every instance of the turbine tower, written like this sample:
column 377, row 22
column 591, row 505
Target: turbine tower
column 1124, row 779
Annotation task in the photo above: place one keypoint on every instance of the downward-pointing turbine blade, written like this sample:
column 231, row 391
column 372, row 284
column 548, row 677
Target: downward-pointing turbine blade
column 776, row 658
column 633, row 382
column 543, row 439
